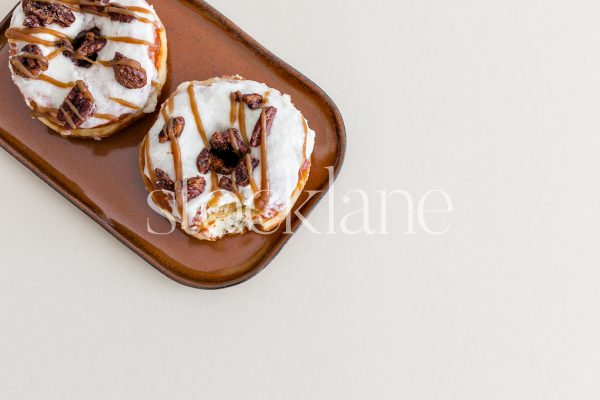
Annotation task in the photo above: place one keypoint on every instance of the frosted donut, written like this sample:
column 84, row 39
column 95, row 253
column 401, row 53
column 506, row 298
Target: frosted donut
column 196, row 158
column 88, row 68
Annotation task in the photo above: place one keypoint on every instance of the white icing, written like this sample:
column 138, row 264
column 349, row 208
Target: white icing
column 100, row 79
column 285, row 145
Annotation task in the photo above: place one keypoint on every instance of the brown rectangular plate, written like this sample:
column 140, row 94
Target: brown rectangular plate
column 103, row 179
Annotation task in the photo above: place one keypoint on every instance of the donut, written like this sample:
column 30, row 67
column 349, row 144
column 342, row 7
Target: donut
column 225, row 156
column 88, row 68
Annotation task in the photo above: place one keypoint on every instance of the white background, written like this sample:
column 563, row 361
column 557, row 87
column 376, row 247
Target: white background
column 494, row 101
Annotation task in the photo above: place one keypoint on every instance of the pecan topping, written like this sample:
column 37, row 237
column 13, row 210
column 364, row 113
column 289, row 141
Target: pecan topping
column 195, row 187
column 118, row 15
column 226, row 184
column 89, row 48
column 222, row 142
column 176, row 125
column 68, row 50
column 101, row 5
column 129, row 73
column 204, row 161
column 254, row 101
column 241, row 172
column 78, row 106
column 270, row 113
column 85, row 47
column 41, row 14
column 163, row 181
column 30, row 62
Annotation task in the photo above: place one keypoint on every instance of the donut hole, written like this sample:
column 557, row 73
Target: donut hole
column 230, row 158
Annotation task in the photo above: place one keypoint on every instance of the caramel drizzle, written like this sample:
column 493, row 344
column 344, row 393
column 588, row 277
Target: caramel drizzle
column 241, row 116
column 233, row 112
column 52, row 81
column 146, row 162
column 111, row 63
column 55, row 53
column 75, row 5
column 305, row 124
column 125, row 103
column 176, row 150
column 42, row 112
column 74, row 109
column 33, row 56
column 128, row 12
column 22, row 35
column 177, row 163
column 263, row 199
column 127, row 39
column 17, row 33
column 138, row 9
column 84, row 90
column 106, row 117
column 171, row 104
column 213, row 175
column 26, row 35
column 69, row 120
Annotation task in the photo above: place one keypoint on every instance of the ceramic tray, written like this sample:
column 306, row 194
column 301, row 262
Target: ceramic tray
column 103, row 179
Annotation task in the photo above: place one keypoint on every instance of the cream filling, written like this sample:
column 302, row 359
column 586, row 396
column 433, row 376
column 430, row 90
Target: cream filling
column 100, row 79
column 285, row 145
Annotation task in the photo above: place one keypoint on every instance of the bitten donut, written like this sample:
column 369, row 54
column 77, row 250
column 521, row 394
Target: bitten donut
column 88, row 68
column 226, row 155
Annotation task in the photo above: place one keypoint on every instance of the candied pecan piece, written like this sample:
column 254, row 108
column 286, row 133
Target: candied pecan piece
column 270, row 113
column 41, row 14
column 221, row 166
column 254, row 100
column 226, row 183
column 163, row 181
column 176, row 125
column 78, row 106
column 67, row 47
column 241, row 172
column 101, row 5
column 30, row 62
column 221, row 142
column 32, row 22
column 119, row 14
column 204, row 161
column 87, row 46
column 195, row 187
column 129, row 73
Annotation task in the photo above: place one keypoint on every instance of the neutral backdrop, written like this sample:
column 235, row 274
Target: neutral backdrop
column 493, row 101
